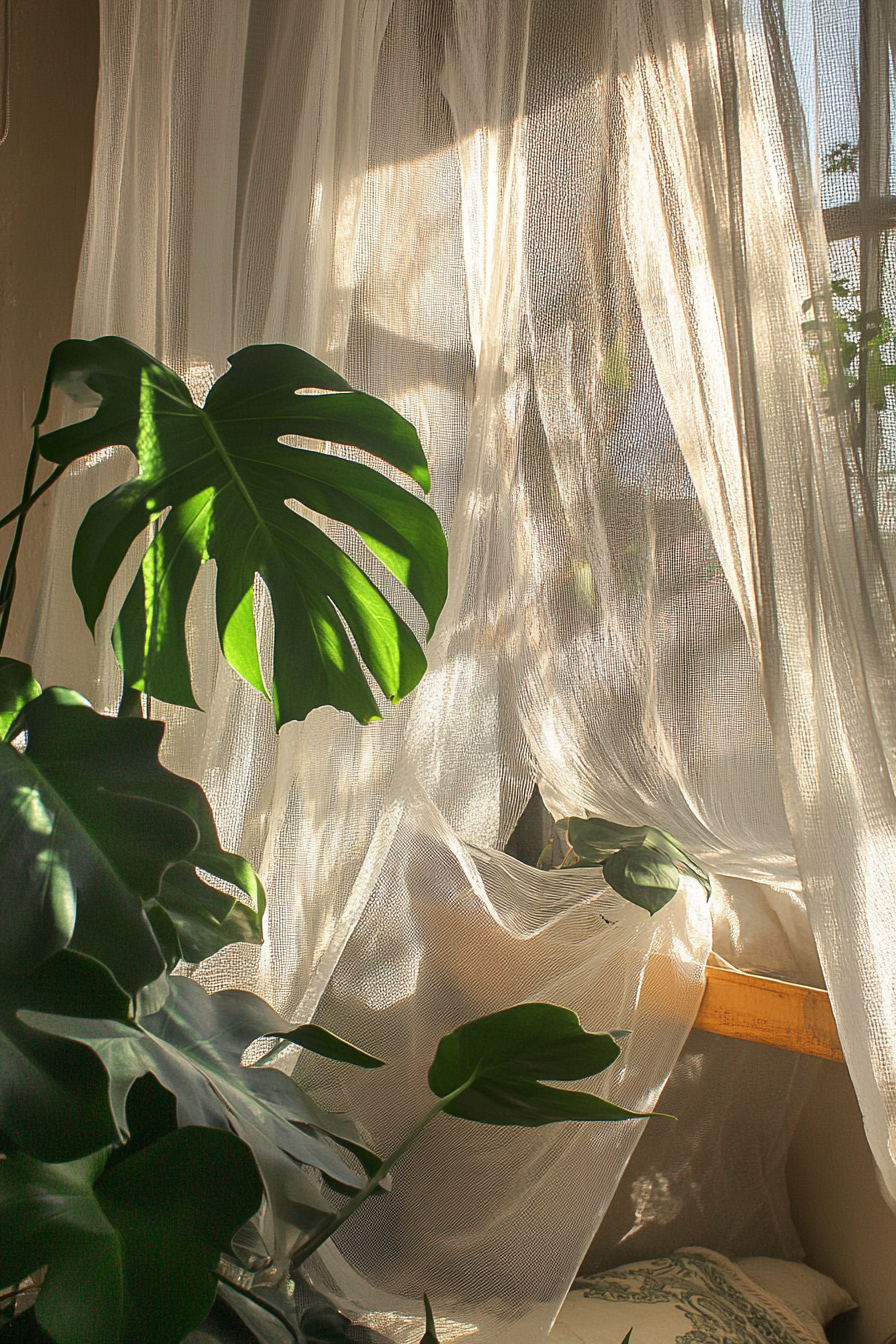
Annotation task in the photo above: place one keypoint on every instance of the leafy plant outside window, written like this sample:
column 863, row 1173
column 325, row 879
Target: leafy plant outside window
column 841, row 158
column 857, row 340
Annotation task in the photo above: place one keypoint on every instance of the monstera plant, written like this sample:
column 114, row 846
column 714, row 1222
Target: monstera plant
column 138, row 1148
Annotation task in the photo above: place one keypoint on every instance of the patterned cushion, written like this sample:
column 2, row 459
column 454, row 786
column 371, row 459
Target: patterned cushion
column 693, row 1297
column 814, row 1297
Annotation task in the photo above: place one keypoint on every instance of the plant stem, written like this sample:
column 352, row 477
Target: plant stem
column 32, row 499
column 329, row 1225
column 8, row 583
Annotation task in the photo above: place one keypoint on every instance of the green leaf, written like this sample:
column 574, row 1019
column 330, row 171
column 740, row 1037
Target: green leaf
column 130, row 1250
column 226, row 478
column 643, row 875
column 878, row 376
column 202, row 918
column 616, row 369
column 94, row 836
column 500, row 1059
column 430, row 1337
column 641, row 863
column 50, row 1216
column 17, row 687
column 323, row 1042
column 194, row 1045
column 79, row 852
column 43, row 1078
column 843, row 158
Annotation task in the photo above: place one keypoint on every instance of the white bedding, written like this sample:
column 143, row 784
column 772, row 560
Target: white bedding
column 697, row 1297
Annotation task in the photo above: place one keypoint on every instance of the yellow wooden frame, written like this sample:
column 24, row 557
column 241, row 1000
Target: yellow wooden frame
column 773, row 1012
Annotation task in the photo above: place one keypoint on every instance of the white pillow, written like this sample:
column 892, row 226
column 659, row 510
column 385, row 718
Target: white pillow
column 810, row 1295
column 695, row 1294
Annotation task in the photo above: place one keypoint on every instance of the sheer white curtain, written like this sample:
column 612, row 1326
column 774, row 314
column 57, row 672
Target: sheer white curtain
column 724, row 231
column 571, row 243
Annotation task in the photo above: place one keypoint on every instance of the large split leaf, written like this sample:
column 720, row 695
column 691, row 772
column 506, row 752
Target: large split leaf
column 54, row 1094
column 496, row 1065
column 641, row 863
column 194, row 1045
column 130, row 1249
column 225, row 476
column 94, row 834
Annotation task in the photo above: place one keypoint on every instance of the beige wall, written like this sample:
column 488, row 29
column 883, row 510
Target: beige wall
column 847, row 1229
column 44, row 182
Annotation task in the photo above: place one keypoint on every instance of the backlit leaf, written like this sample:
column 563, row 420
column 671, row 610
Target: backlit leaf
column 641, row 863
column 226, row 478
column 17, row 687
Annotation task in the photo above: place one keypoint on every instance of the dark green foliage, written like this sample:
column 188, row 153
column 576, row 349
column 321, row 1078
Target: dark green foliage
column 325, row 1325
column 322, row 1042
column 95, row 834
column 131, row 1249
column 17, row 687
column 641, row 863
column 44, row 1078
column 430, row 1337
column 490, row 1070
column 129, row 1083
column 226, row 477
column 194, row 1044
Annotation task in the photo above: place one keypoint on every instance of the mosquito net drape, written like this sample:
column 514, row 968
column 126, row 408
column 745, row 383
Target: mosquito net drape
column 571, row 242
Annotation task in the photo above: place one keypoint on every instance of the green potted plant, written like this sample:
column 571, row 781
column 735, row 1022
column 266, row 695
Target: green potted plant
column 123, row 1096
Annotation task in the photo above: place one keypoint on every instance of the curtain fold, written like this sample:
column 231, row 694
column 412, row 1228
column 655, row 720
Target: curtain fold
column 571, row 243
column 780, row 481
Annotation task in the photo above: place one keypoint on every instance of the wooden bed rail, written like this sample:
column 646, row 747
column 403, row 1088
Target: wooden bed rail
column 773, row 1012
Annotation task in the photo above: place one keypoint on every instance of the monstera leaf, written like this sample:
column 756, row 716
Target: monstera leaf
column 54, row 1094
column 491, row 1069
column 194, row 1046
column 130, row 1248
column 94, row 834
column 226, row 478
column 641, row 863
